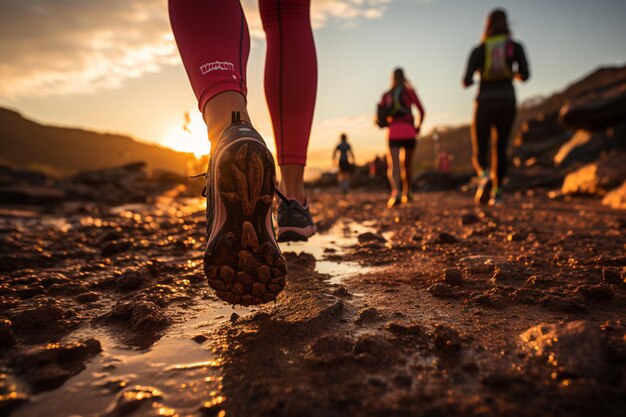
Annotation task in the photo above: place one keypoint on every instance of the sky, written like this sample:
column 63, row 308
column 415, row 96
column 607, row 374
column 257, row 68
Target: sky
column 113, row 65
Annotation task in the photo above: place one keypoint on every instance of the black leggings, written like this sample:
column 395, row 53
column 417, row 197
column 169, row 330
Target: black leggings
column 498, row 113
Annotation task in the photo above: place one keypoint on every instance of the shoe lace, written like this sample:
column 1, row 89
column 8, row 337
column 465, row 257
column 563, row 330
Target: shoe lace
column 235, row 119
column 204, row 175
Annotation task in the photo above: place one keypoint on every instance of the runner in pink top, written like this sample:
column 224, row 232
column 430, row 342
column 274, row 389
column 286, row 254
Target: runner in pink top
column 402, row 133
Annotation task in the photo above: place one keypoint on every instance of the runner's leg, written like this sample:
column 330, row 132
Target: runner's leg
column 290, row 86
column 214, row 44
column 504, row 125
column 481, row 132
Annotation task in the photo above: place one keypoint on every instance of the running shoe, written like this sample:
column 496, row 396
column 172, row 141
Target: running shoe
column 393, row 201
column 294, row 221
column 496, row 197
column 407, row 198
column 242, row 261
column 484, row 189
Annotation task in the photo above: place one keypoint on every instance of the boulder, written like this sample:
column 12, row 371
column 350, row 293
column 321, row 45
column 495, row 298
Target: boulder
column 598, row 177
column 597, row 112
column 583, row 147
column 572, row 350
column 538, row 129
column 616, row 198
column 31, row 194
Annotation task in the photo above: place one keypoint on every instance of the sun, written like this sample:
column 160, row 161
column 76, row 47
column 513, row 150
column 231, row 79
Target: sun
column 190, row 136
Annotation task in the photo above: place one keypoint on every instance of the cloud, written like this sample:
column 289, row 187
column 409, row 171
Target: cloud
column 75, row 46
column 57, row 47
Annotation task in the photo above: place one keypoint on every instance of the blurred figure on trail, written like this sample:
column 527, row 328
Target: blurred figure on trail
column 346, row 162
column 498, row 59
column 444, row 161
column 395, row 111
column 242, row 261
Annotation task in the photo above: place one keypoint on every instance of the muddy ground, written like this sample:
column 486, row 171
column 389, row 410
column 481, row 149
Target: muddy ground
column 447, row 310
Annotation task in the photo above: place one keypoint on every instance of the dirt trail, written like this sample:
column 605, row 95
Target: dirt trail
column 457, row 311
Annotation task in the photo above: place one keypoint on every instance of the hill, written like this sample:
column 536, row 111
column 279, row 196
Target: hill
column 59, row 151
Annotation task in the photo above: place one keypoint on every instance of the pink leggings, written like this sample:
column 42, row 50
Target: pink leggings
column 214, row 43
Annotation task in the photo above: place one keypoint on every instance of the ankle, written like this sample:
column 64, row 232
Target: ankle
column 217, row 112
column 292, row 182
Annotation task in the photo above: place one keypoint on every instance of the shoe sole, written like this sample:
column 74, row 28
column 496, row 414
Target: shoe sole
column 242, row 261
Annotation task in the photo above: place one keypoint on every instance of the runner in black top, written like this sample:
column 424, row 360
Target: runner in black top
column 346, row 162
column 499, row 60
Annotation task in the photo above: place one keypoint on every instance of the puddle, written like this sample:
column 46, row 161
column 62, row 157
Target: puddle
column 342, row 235
column 183, row 373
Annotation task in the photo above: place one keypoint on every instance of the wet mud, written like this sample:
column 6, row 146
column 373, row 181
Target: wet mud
column 434, row 308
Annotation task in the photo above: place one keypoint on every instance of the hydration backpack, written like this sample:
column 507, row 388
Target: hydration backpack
column 498, row 57
column 396, row 108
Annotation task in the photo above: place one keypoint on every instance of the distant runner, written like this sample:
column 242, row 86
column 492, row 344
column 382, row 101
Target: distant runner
column 346, row 162
column 395, row 111
column 499, row 60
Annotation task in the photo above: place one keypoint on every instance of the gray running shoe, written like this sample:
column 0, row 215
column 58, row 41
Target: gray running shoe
column 484, row 188
column 242, row 261
column 294, row 221
column 496, row 198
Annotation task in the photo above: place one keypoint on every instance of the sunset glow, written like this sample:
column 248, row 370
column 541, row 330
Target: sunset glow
column 189, row 136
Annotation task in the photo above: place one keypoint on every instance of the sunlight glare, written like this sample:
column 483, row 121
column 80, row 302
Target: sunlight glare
column 189, row 136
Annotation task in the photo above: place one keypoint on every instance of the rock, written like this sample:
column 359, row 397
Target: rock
column 142, row 315
column 595, row 112
column 599, row 292
column 403, row 381
column 616, row 198
column 574, row 349
column 375, row 349
column 507, row 278
column 495, row 297
column 447, row 339
column 132, row 279
column 562, row 303
column 328, row 349
column 583, row 147
column 115, row 247
column 443, row 290
column 31, row 194
column 598, row 177
column 446, row 238
column 413, row 333
column 7, row 339
column 371, row 237
column 368, row 315
column 10, row 396
column 199, row 338
column 469, row 218
column 131, row 399
column 48, row 366
column 234, row 317
column 527, row 296
column 453, row 276
column 213, row 407
column 341, row 292
column 612, row 276
column 479, row 263
column 88, row 297
column 537, row 281
column 45, row 315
